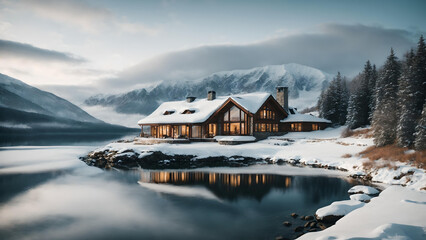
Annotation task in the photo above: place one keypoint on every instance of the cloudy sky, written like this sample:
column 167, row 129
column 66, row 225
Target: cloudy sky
column 80, row 48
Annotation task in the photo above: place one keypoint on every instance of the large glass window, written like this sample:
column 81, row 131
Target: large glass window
column 165, row 131
column 196, row 132
column 315, row 127
column 146, row 130
column 235, row 128
column 234, row 114
column 234, row 121
column 212, row 129
column 183, row 130
column 226, row 117
column 226, row 128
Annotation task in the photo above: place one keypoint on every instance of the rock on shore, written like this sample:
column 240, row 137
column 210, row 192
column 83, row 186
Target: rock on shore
column 126, row 159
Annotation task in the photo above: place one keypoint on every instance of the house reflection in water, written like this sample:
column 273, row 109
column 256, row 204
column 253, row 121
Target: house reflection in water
column 223, row 185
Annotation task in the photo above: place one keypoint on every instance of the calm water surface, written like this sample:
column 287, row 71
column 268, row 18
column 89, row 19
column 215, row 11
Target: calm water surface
column 47, row 193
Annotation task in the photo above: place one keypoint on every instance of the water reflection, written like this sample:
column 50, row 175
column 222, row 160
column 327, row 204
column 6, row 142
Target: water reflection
column 228, row 186
column 44, row 197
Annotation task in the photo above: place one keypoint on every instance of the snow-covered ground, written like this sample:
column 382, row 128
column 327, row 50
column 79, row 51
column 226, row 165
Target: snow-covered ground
column 319, row 148
column 397, row 213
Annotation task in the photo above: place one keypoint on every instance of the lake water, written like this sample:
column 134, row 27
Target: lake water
column 48, row 193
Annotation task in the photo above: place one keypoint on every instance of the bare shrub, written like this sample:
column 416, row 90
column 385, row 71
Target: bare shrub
column 357, row 133
column 393, row 153
column 346, row 133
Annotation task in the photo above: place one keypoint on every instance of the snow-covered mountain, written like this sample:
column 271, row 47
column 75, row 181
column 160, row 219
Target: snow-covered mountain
column 305, row 85
column 18, row 95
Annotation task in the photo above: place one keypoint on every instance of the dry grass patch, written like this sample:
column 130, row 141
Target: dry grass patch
column 361, row 133
column 347, row 155
column 393, row 153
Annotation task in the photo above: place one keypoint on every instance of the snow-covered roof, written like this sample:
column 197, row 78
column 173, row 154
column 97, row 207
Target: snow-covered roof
column 298, row 117
column 251, row 101
column 202, row 108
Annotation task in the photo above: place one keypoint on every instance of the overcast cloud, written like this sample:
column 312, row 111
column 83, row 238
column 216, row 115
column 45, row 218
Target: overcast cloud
column 13, row 50
column 91, row 18
column 79, row 48
column 333, row 48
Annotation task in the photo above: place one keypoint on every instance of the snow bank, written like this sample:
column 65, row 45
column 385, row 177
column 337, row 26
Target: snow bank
column 339, row 208
column 360, row 197
column 397, row 213
column 363, row 189
column 235, row 138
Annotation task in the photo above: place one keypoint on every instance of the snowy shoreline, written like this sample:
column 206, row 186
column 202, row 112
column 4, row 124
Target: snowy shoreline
column 320, row 149
column 325, row 149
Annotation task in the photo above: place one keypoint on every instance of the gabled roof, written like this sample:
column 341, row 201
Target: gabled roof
column 202, row 108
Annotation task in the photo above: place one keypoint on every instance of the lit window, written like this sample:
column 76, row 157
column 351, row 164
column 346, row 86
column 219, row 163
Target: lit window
column 315, row 127
column 226, row 128
column 275, row 128
column 296, row 127
column 233, row 121
column 183, row 130
column 212, row 129
column 266, row 113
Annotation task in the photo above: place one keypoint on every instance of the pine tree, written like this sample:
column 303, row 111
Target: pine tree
column 332, row 103
column 364, row 94
column 420, row 143
column 352, row 119
column 361, row 98
column 328, row 101
column 385, row 115
column 407, row 102
column 343, row 101
column 372, row 88
column 419, row 66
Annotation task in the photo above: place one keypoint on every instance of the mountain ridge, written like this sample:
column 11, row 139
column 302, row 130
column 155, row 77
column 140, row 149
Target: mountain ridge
column 305, row 84
column 28, row 110
column 31, row 99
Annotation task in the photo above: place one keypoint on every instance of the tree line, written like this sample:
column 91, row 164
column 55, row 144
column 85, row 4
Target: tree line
column 391, row 99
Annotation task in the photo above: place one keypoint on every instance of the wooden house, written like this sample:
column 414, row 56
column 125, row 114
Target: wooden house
column 253, row 114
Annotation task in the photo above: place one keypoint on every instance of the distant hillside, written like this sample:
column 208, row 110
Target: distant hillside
column 26, row 109
column 305, row 84
column 15, row 94
column 34, row 129
column 13, row 120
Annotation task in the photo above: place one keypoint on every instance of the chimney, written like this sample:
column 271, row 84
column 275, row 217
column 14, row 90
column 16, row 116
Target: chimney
column 190, row 99
column 211, row 95
column 282, row 97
